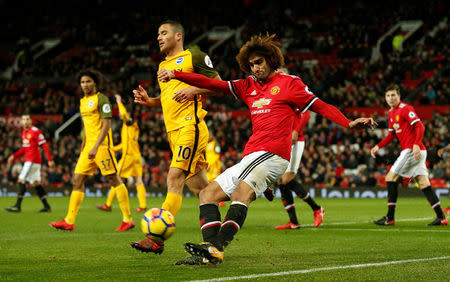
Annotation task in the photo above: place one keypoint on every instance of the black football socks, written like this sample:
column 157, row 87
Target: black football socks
column 42, row 195
column 231, row 224
column 434, row 201
column 392, row 188
column 209, row 221
column 288, row 202
column 20, row 194
column 301, row 193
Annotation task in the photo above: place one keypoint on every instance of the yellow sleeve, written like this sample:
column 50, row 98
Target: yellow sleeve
column 123, row 112
column 117, row 147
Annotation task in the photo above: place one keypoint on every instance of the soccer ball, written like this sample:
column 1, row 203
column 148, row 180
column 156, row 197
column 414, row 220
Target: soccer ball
column 158, row 224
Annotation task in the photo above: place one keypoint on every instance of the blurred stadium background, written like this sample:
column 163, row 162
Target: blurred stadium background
column 346, row 51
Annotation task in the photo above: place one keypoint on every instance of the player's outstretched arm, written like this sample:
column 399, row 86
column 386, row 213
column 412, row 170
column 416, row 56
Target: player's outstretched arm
column 361, row 123
column 141, row 97
column 197, row 80
column 192, row 91
column 332, row 113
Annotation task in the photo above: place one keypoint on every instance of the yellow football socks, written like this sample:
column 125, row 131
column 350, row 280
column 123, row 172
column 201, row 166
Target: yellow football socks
column 124, row 202
column 141, row 196
column 172, row 203
column 76, row 198
column 110, row 198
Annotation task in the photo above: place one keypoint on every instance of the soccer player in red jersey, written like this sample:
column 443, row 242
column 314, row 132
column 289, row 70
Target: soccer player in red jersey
column 32, row 138
column 272, row 98
column 406, row 125
column 287, row 183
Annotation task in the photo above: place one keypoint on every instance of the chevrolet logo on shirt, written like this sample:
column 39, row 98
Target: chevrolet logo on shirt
column 261, row 103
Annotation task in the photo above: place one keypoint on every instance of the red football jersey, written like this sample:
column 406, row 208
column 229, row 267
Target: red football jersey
column 272, row 107
column 401, row 120
column 300, row 122
column 31, row 140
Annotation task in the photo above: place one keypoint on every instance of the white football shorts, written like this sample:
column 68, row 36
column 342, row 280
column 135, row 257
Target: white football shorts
column 296, row 156
column 31, row 172
column 407, row 166
column 259, row 170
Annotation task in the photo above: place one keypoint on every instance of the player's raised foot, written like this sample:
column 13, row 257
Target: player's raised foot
column 447, row 210
column 63, row 225
column 268, row 193
column 385, row 221
column 438, row 222
column 13, row 209
column 148, row 246
column 205, row 250
column 318, row 216
column 125, row 226
column 193, row 260
column 45, row 210
column 140, row 210
column 104, row 207
column 288, row 225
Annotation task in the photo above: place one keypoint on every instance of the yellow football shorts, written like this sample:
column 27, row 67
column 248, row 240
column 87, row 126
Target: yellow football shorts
column 130, row 165
column 188, row 145
column 104, row 160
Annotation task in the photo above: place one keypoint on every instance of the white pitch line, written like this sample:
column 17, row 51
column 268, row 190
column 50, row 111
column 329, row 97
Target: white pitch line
column 359, row 222
column 391, row 229
column 283, row 273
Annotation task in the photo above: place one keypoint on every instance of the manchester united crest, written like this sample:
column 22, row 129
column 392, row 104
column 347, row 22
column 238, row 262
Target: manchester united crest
column 275, row 90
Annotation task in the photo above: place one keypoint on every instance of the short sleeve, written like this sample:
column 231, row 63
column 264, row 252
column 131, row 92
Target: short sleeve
column 203, row 64
column 300, row 95
column 410, row 115
column 40, row 137
column 238, row 87
column 104, row 106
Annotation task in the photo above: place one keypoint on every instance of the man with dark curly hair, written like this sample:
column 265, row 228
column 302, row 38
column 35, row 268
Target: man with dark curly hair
column 96, row 152
column 272, row 98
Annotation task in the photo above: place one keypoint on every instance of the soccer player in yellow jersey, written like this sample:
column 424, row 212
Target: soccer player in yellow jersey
column 130, row 165
column 213, row 158
column 96, row 152
column 186, row 129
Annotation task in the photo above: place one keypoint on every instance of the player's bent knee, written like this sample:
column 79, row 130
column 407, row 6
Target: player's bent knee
column 113, row 179
column 176, row 175
column 392, row 177
column 212, row 194
column 78, row 182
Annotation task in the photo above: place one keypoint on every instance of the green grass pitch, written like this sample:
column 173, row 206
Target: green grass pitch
column 31, row 250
